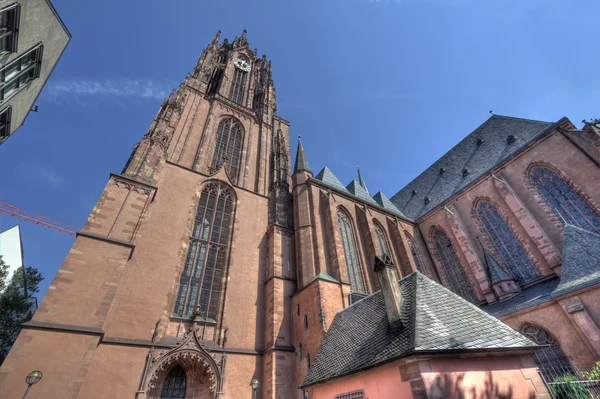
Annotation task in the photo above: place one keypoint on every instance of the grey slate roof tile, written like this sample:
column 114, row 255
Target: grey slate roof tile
column 480, row 151
column 358, row 191
column 385, row 203
column 496, row 272
column 328, row 178
column 432, row 319
column 301, row 161
column 529, row 297
column 581, row 260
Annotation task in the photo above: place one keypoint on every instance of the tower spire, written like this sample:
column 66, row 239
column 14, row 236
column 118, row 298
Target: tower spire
column 301, row 162
column 217, row 38
column 362, row 181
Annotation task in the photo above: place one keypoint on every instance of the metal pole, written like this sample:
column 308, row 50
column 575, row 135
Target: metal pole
column 27, row 390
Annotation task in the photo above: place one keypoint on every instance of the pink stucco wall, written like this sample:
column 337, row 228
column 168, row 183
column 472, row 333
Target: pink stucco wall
column 448, row 378
column 382, row 382
column 482, row 377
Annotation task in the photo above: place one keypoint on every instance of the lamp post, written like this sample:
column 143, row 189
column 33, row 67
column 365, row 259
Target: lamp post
column 32, row 378
column 254, row 384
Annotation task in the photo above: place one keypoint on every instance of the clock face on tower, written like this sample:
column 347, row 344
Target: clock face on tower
column 241, row 64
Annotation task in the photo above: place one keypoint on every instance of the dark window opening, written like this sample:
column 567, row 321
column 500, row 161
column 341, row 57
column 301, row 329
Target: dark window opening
column 305, row 322
column 450, row 268
column 565, row 201
column 5, row 116
column 238, row 86
column 203, row 274
column 297, row 310
column 230, row 136
column 9, row 28
column 15, row 76
column 174, row 385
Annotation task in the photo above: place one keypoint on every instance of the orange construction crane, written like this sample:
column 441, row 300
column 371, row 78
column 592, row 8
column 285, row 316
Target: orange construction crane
column 30, row 217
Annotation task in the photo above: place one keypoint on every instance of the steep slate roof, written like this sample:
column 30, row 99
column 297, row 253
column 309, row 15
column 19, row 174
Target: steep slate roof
column 328, row 178
column 385, row 203
column 301, row 161
column 580, row 269
column 581, row 260
column 355, row 189
column 497, row 273
column 358, row 191
column 433, row 320
column 471, row 155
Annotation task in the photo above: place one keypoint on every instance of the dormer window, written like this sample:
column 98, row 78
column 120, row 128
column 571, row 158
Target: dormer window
column 511, row 139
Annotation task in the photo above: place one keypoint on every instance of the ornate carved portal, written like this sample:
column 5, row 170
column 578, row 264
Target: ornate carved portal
column 203, row 371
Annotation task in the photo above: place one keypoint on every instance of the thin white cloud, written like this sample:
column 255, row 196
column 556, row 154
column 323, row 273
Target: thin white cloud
column 38, row 171
column 120, row 87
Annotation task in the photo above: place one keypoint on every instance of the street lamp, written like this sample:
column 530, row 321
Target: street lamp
column 32, row 378
column 254, row 384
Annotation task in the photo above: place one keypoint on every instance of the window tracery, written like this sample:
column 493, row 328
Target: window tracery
column 174, row 385
column 550, row 358
column 414, row 250
column 384, row 249
column 564, row 199
column 238, row 86
column 350, row 252
column 202, row 278
column 456, row 276
column 230, row 136
column 506, row 242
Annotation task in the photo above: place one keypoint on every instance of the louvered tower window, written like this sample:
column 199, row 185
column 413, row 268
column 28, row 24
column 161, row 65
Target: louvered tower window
column 352, row 262
column 238, row 86
column 506, row 243
column 202, row 278
column 550, row 358
column 451, row 268
column 174, row 385
column 564, row 199
column 414, row 250
column 384, row 249
column 230, row 136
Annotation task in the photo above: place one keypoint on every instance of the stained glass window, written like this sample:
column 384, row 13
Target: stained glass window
column 202, row 278
column 451, row 269
column 238, row 86
column 506, row 242
column 414, row 250
column 174, row 385
column 350, row 252
column 550, row 358
column 384, row 249
column 563, row 199
column 230, row 135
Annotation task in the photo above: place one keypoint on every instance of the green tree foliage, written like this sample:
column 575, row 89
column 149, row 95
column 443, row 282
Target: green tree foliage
column 14, row 305
column 568, row 387
column 595, row 122
column 593, row 374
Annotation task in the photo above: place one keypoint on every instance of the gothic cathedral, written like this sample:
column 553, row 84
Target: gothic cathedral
column 210, row 268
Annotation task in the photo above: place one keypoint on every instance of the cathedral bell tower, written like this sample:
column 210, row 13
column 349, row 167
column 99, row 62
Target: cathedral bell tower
column 186, row 264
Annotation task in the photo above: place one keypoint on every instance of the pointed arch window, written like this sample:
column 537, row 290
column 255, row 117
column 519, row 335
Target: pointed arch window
column 174, row 385
column 238, row 86
column 349, row 243
column 452, row 270
column 414, row 250
column 230, row 136
column 506, row 242
column 384, row 248
column 202, row 278
column 564, row 199
column 550, row 358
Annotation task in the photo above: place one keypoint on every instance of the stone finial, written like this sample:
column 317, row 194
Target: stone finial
column 390, row 288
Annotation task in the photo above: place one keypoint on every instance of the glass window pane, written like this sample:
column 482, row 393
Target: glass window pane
column 451, row 269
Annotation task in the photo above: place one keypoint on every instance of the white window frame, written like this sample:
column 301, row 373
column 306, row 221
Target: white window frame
column 18, row 73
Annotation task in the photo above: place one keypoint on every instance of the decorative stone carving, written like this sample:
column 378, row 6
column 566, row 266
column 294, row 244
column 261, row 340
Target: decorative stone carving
column 204, row 365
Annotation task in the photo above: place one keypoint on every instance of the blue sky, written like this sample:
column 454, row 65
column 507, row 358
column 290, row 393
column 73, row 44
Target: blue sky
column 386, row 85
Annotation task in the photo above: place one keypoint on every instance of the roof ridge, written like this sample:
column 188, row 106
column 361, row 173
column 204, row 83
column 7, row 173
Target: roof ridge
column 521, row 119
